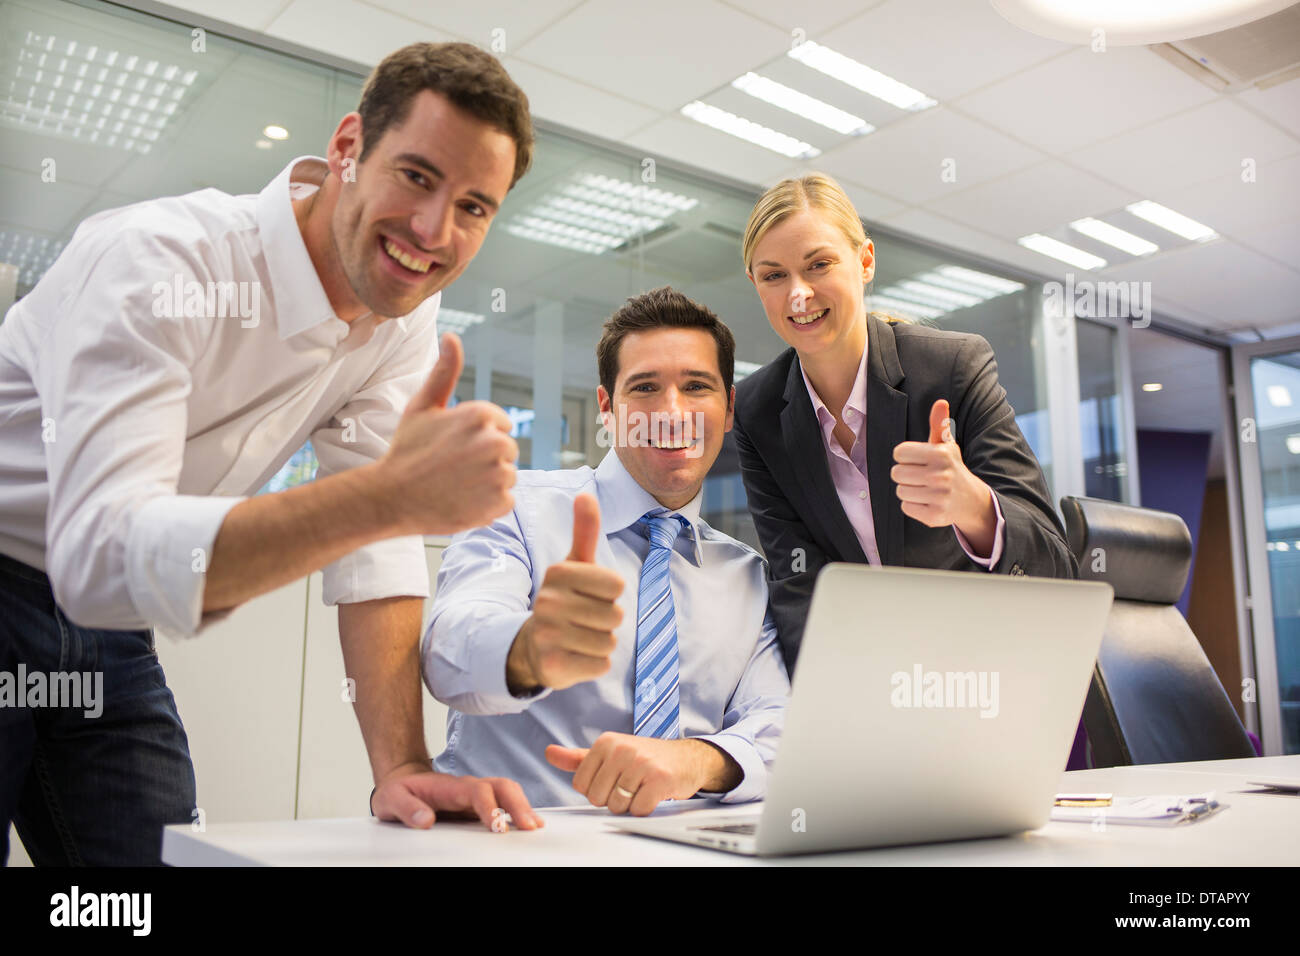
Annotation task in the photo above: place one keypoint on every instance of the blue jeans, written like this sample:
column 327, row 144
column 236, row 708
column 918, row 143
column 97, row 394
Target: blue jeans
column 85, row 788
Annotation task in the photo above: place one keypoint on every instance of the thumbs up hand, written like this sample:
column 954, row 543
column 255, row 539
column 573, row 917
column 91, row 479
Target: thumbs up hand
column 447, row 469
column 936, row 487
column 569, row 637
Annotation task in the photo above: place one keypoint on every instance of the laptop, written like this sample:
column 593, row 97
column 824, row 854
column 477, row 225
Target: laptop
column 926, row 706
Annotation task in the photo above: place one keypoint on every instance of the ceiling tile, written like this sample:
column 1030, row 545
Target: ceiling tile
column 1229, row 205
column 477, row 22
column 1278, row 242
column 1194, row 146
column 1280, row 103
column 348, row 29
column 681, row 51
column 1235, row 287
column 253, row 14
column 693, row 143
column 942, row 47
column 934, row 228
column 1084, row 97
column 568, row 102
column 907, row 160
column 808, row 17
column 1036, row 199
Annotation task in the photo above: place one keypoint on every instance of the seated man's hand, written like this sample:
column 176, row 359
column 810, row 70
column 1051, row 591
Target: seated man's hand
column 414, row 795
column 569, row 637
column 630, row 774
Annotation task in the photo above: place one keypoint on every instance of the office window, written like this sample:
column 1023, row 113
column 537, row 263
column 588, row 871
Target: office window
column 1100, row 412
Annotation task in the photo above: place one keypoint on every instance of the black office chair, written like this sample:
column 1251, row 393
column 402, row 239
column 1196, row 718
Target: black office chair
column 1154, row 697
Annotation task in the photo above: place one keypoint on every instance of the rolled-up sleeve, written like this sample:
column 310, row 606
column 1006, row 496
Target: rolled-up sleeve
column 123, row 550
column 358, row 434
column 755, row 717
column 484, row 596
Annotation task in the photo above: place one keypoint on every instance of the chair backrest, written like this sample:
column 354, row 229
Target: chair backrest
column 1154, row 696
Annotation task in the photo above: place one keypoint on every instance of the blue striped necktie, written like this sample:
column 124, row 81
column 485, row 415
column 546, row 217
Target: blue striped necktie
column 655, row 710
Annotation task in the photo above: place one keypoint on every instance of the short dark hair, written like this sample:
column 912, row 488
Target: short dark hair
column 664, row 307
column 471, row 78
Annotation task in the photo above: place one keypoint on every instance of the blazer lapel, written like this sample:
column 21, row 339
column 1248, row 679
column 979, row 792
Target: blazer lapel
column 886, row 428
column 806, row 449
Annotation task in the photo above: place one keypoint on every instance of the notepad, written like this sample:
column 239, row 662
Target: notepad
column 1155, row 811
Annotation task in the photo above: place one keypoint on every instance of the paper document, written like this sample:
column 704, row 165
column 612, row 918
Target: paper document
column 1159, row 810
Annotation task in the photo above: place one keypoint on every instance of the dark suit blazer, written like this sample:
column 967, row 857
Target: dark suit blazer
column 797, row 512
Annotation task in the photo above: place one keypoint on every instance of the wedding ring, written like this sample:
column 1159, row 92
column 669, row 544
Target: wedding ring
column 627, row 794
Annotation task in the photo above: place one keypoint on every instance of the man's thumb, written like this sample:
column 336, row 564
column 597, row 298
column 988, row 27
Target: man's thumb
column 568, row 759
column 938, row 419
column 586, row 529
column 441, row 383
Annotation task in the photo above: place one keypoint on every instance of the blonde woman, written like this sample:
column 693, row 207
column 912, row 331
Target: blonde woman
column 871, row 439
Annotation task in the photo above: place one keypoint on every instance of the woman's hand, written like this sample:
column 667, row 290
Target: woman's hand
column 937, row 489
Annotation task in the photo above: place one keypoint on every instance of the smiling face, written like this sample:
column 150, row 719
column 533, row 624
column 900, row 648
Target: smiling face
column 810, row 280
column 409, row 219
column 671, row 406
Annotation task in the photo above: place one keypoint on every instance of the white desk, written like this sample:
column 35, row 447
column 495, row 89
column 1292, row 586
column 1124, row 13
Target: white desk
column 1258, row 828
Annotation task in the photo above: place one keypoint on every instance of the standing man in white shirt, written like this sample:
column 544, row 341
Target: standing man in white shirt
column 172, row 359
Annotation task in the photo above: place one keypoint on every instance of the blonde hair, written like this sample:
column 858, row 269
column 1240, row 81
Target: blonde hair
column 816, row 192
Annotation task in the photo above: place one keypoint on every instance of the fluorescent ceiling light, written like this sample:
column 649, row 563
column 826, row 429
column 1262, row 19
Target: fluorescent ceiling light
column 975, row 280
column 1279, row 396
column 593, row 212
column 918, row 296
column 860, row 76
column 1059, row 250
column 755, row 133
column 1166, row 218
column 801, row 104
column 943, row 280
column 454, row 320
column 95, row 96
column 956, row 300
column 275, row 132
column 881, row 302
column 29, row 254
column 1132, row 22
column 1114, row 236
column 1293, row 445
column 1152, row 387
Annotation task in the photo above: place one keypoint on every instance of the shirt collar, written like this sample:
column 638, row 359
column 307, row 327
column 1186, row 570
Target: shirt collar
column 301, row 302
column 857, row 397
column 623, row 502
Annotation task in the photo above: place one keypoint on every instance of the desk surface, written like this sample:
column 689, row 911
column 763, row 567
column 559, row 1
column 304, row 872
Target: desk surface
column 1258, row 828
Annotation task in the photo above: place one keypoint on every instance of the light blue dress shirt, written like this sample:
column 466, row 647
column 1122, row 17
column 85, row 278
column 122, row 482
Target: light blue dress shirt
column 733, row 682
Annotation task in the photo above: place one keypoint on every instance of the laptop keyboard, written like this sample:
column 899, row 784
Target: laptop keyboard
column 744, row 829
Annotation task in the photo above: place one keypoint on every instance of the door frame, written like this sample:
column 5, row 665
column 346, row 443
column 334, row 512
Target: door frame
column 1262, row 642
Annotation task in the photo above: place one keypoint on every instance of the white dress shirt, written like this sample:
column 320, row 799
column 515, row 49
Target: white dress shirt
column 132, row 419
column 732, row 682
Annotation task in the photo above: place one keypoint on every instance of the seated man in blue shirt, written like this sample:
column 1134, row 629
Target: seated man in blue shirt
column 668, row 687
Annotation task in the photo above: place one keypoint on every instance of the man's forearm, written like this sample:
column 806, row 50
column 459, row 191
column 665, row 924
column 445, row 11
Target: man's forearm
column 718, row 769
column 381, row 653
column 268, row 541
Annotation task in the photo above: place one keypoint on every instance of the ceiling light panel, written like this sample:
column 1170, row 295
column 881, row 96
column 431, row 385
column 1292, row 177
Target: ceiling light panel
column 88, row 92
